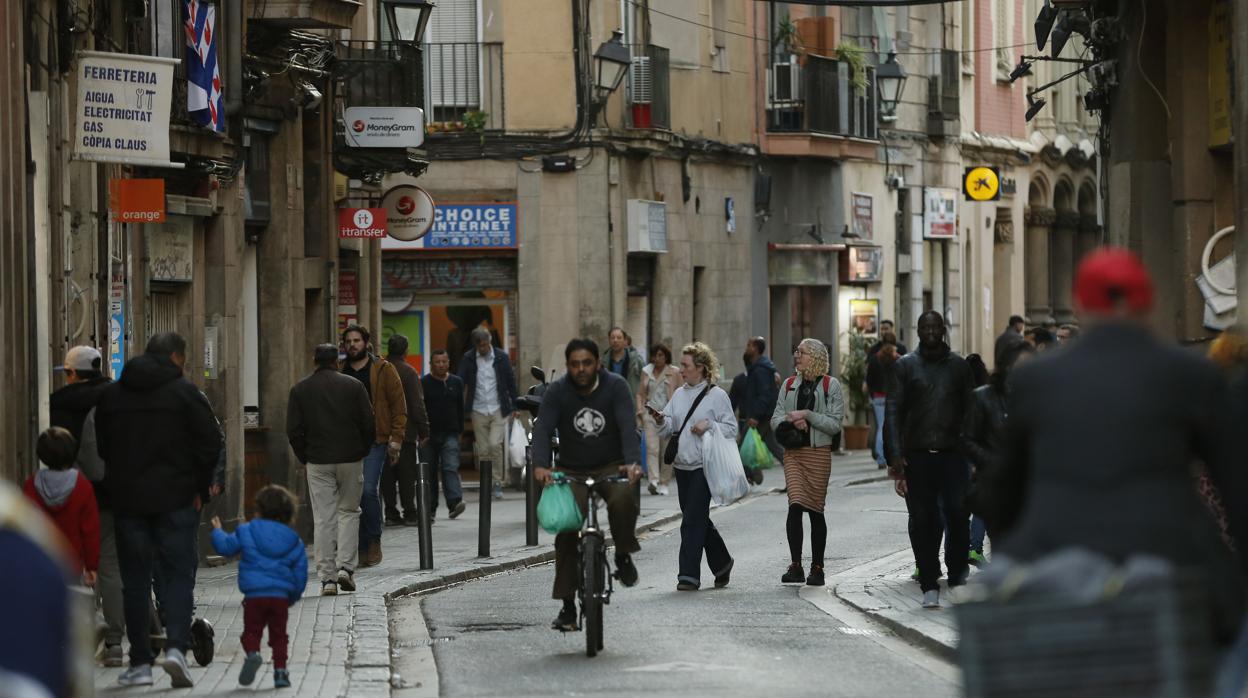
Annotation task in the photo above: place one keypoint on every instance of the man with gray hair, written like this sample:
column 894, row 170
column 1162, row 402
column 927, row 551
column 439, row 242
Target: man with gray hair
column 489, row 395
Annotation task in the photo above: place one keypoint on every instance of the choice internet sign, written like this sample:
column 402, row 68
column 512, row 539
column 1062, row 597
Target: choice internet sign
column 361, row 222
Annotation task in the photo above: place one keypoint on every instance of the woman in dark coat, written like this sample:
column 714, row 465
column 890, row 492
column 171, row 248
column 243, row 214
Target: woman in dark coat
column 984, row 422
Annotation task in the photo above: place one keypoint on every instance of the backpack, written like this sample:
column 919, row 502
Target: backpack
column 827, row 382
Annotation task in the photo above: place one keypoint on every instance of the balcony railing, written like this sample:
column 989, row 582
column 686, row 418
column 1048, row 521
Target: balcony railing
column 648, row 95
column 378, row 73
column 818, row 96
column 464, row 86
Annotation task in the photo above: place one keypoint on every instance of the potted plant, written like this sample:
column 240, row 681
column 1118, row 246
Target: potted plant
column 853, row 375
column 856, row 57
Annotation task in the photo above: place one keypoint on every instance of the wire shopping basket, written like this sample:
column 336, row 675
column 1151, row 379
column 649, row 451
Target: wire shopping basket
column 1153, row 642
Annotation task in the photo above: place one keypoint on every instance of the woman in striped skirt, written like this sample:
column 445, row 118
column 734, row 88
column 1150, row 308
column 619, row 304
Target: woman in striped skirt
column 807, row 417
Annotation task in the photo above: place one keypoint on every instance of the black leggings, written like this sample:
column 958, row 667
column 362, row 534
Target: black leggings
column 818, row 534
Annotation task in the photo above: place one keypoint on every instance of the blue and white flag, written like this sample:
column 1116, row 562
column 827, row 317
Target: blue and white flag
column 203, row 90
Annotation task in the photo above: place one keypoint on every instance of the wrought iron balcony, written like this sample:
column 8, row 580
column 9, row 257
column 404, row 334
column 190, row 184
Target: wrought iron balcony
column 375, row 74
column 817, row 95
column 648, row 97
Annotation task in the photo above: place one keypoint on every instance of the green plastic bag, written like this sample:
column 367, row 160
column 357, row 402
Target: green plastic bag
column 557, row 511
column 754, row 452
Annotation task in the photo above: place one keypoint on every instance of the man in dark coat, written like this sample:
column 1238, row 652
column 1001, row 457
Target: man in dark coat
column 69, row 407
column 762, row 387
column 403, row 471
column 1100, row 439
column 928, row 395
column 160, row 443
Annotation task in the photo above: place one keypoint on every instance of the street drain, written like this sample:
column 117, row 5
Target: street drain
column 490, row 627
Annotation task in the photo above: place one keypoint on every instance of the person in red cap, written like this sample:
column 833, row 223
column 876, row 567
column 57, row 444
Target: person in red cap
column 1100, row 439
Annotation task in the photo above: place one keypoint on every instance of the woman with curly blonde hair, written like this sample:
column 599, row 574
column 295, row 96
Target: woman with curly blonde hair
column 696, row 407
column 807, row 417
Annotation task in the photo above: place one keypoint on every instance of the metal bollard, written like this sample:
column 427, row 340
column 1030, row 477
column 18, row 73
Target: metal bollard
column 486, row 475
column 531, row 495
column 423, row 506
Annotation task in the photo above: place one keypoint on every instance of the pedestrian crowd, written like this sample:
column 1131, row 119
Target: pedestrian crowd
column 1100, row 436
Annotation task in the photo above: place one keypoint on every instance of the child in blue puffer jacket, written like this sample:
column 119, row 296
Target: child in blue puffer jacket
column 271, row 575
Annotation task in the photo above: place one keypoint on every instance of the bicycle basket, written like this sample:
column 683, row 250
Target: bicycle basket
column 1148, row 642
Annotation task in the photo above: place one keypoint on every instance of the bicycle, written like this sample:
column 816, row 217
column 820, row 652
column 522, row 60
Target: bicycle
column 596, row 586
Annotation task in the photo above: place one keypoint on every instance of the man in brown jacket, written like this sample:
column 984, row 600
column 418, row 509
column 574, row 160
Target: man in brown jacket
column 385, row 390
column 403, row 471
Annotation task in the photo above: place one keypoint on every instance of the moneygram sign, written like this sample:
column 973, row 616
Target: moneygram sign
column 385, row 127
column 409, row 212
column 361, row 222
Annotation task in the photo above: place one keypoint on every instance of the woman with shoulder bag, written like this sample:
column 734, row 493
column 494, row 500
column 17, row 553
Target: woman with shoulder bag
column 659, row 381
column 696, row 407
column 807, row 417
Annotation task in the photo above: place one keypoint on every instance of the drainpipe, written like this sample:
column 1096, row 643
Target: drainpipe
column 234, row 57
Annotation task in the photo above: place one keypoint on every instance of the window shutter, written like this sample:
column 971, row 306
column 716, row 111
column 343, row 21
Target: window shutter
column 453, row 57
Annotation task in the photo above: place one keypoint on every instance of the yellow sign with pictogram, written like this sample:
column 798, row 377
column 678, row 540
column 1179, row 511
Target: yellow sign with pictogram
column 981, row 184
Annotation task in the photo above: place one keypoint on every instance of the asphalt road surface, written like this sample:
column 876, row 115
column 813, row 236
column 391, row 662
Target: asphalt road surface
column 753, row 638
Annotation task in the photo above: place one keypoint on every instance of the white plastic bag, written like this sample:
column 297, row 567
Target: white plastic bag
column 722, row 465
column 516, row 444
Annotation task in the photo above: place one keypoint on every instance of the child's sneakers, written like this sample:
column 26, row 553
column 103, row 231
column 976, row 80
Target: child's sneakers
column 281, row 678
column 250, row 666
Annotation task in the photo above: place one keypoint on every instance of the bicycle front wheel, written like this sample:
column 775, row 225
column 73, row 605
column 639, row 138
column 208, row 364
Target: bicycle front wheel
column 592, row 584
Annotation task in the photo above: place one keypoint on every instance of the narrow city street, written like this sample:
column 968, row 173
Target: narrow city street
column 753, row 638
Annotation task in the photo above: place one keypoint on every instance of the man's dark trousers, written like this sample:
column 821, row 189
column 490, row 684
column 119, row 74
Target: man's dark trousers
column 402, row 473
column 622, row 511
column 937, row 481
column 162, row 544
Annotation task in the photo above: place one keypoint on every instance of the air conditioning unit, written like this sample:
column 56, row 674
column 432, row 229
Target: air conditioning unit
column 784, row 84
column 647, row 225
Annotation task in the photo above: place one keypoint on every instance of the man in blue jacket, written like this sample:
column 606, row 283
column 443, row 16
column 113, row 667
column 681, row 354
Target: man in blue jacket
column 762, row 386
column 489, row 395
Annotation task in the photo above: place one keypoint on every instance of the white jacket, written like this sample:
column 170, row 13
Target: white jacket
column 715, row 407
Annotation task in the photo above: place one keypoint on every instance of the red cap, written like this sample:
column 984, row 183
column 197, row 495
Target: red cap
column 1112, row 274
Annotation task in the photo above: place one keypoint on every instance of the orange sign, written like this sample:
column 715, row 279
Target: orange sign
column 137, row 200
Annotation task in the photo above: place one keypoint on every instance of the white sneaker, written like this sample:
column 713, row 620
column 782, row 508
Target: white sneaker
column 140, row 675
column 663, row 490
column 175, row 666
column 931, row 598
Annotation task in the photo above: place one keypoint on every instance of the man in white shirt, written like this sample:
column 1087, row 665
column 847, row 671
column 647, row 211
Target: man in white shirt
column 489, row 395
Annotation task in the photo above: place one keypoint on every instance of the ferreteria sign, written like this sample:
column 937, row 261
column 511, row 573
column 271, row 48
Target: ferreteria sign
column 123, row 108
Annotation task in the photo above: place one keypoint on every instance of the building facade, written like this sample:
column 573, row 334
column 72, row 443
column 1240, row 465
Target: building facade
column 238, row 249
column 559, row 215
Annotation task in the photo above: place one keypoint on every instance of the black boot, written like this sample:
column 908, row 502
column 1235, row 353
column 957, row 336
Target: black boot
column 566, row 620
column 795, row 575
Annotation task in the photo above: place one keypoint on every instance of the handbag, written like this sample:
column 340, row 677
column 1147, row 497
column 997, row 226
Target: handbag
column 673, row 445
column 788, row 436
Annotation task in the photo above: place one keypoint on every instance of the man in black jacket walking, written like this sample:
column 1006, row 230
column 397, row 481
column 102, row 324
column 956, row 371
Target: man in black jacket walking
column 928, row 396
column 330, row 424
column 403, row 471
column 160, row 442
column 762, row 387
column 69, row 407
column 444, row 398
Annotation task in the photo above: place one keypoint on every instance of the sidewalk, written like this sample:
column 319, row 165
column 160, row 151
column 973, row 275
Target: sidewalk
column 340, row 645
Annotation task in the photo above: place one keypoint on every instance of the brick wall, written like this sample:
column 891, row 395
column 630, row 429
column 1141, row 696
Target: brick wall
column 999, row 106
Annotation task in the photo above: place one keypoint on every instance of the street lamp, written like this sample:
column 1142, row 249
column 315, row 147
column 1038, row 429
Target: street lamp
column 611, row 61
column 407, row 19
column 890, row 78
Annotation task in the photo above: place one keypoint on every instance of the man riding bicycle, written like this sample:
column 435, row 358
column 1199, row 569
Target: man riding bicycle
column 593, row 412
